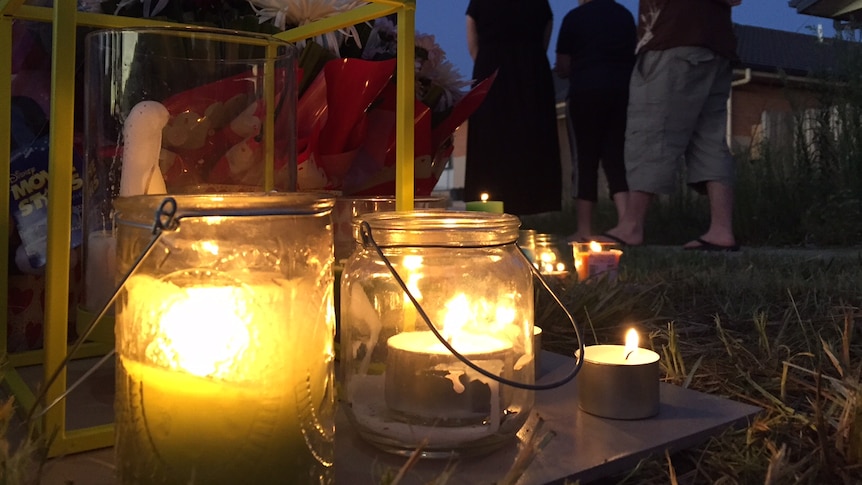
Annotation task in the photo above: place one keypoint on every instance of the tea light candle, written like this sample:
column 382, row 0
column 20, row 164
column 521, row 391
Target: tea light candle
column 426, row 384
column 485, row 205
column 619, row 382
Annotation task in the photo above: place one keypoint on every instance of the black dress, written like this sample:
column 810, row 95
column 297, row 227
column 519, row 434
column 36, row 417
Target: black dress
column 513, row 150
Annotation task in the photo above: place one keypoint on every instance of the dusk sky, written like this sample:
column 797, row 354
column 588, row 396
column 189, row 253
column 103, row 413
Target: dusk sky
column 445, row 19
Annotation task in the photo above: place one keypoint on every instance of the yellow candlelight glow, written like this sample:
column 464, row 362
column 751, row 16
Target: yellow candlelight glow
column 484, row 197
column 224, row 342
column 412, row 264
column 206, row 246
column 203, row 330
column 213, row 349
column 595, row 246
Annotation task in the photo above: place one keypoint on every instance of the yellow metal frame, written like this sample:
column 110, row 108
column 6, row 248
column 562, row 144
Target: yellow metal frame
column 65, row 19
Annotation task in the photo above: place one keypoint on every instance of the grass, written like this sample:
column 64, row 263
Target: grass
column 773, row 328
column 776, row 325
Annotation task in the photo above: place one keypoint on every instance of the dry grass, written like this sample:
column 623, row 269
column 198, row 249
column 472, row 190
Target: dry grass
column 776, row 329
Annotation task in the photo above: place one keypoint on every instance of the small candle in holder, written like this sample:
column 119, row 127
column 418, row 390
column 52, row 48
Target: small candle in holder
column 594, row 260
column 426, row 384
column 619, row 382
column 485, row 205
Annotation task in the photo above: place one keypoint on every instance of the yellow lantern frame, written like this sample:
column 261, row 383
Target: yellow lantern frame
column 65, row 19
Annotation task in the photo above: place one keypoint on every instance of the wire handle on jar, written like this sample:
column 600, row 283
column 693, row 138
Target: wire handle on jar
column 368, row 239
column 165, row 219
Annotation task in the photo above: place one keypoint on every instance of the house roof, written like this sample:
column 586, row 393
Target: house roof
column 792, row 53
column 773, row 51
column 835, row 9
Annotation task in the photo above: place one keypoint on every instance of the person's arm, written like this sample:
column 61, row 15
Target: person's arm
column 472, row 38
column 563, row 65
column 548, row 31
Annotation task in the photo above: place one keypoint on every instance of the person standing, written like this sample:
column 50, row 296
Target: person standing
column 596, row 52
column 678, row 109
column 513, row 150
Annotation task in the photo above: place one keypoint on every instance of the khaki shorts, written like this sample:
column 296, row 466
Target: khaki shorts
column 678, row 110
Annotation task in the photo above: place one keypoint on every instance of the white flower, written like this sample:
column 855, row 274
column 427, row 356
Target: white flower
column 381, row 41
column 434, row 54
column 449, row 80
column 289, row 13
column 434, row 74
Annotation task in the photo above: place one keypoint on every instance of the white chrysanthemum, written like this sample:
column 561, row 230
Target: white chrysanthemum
column 435, row 54
column 285, row 13
column 380, row 43
column 447, row 77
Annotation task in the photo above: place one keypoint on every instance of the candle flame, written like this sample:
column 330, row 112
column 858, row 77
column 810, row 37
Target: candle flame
column 412, row 263
column 484, row 197
column 631, row 342
column 595, row 246
column 457, row 315
column 210, row 247
column 203, row 329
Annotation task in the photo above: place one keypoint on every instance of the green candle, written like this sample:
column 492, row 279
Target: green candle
column 485, row 205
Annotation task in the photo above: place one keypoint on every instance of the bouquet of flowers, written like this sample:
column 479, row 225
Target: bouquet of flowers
column 346, row 104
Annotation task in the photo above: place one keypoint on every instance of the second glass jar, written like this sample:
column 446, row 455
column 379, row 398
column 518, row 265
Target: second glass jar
column 403, row 388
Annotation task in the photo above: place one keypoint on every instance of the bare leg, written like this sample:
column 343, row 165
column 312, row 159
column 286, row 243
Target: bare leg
column 584, row 211
column 621, row 199
column 720, row 230
column 631, row 225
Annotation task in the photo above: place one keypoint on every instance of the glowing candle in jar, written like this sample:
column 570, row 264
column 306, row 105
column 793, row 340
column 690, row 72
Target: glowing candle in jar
column 547, row 262
column 485, row 205
column 227, row 390
column 426, row 384
column 619, row 381
column 547, row 256
column 596, row 261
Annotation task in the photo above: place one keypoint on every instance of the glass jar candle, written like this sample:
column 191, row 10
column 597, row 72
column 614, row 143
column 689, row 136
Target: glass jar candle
column 548, row 258
column 224, row 338
column 403, row 388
